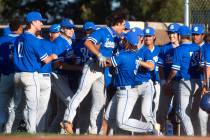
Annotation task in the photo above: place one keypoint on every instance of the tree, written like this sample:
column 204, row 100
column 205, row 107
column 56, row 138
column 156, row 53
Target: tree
column 94, row 10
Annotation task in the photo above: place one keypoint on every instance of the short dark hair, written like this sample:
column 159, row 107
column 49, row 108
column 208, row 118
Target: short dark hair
column 15, row 24
column 186, row 37
column 116, row 17
column 127, row 45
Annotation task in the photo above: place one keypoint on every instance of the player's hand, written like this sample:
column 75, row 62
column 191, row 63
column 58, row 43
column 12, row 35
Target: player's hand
column 204, row 90
column 102, row 60
column 58, row 65
column 54, row 56
column 108, row 63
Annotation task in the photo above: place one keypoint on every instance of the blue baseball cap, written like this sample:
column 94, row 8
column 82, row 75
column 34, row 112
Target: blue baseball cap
column 174, row 28
column 67, row 23
column 55, row 28
column 184, row 31
column 149, row 31
column 7, row 31
column 34, row 15
column 132, row 38
column 138, row 31
column 89, row 25
column 197, row 29
column 127, row 25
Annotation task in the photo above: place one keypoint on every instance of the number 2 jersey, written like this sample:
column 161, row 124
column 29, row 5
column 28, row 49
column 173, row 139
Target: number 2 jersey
column 28, row 53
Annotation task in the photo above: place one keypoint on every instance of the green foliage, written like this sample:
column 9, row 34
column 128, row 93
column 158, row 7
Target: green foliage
column 95, row 10
column 155, row 10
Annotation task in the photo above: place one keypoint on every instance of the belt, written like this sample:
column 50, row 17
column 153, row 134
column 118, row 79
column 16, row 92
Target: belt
column 125, row 87
column 45, row 74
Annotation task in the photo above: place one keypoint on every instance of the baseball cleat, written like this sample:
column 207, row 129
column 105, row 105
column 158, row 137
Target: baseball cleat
column 67, row 127
column 156, row 129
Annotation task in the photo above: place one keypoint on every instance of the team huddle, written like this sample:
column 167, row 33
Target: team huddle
column 140, row 73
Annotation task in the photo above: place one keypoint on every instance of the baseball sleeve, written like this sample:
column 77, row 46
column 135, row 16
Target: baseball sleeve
column 177, row 59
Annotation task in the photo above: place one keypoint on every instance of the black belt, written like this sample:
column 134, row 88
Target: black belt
column 125, row 87
column 45, row 74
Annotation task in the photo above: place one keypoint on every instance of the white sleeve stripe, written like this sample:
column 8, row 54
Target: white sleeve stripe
column 43, row 57
column 113, row 62
column 160, row 62
column 92, row 39
column 175, row 68
column 207, row 65
column 160, row 65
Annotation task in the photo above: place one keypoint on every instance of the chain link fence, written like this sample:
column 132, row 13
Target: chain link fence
column 200, row 12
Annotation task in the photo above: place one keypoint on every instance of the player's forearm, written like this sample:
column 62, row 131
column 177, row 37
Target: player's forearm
column 147, row 65
column 50, row 58
column 172, row 74
column 92, row 47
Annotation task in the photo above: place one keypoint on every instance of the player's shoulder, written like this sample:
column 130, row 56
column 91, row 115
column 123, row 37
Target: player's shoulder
column 166, row 45
column 59, row 40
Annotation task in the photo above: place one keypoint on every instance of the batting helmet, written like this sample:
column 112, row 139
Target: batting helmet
column 205, row 102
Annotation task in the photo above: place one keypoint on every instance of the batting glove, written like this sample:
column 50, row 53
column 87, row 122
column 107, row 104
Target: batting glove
column 102, row 60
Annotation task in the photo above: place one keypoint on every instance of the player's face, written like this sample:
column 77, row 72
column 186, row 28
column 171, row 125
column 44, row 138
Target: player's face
column 198, row 39
column 120, row 27
column 173, row 37
column 140, row 41
column 149, row 40
column 53, row 36
column 69, row 32
column 38, row 24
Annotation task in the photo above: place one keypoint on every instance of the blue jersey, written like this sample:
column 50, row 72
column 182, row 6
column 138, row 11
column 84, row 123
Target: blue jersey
column 166, row 58
column 63, row 47
column 155, row 73
column 205, row 59
column 28, row 53
column 186, row 61
column 203, row 48
column 48, row 47
column 6, row 53
column 206, row 56
column 81, row 51
column 125, row 65
column 143, row 74
column 107, row 39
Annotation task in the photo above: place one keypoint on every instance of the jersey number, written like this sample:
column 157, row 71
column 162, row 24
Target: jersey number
column 20, row 49
column 85, row 54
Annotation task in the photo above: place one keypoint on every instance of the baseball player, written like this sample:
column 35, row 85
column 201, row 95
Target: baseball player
column 198, row 38
column 126, row 63
column 82, row 55
column 79, row 49
column 184, row 68
column 164, row 63
column 60, row 79
column 7, row 68
column 54, row 31
column 28, row 59
column 149, row 40
column 93, row 71
column 142, row 78
column 45, row 85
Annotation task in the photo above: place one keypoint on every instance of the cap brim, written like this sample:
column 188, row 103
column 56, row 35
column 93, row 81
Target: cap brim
column 43, row 19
